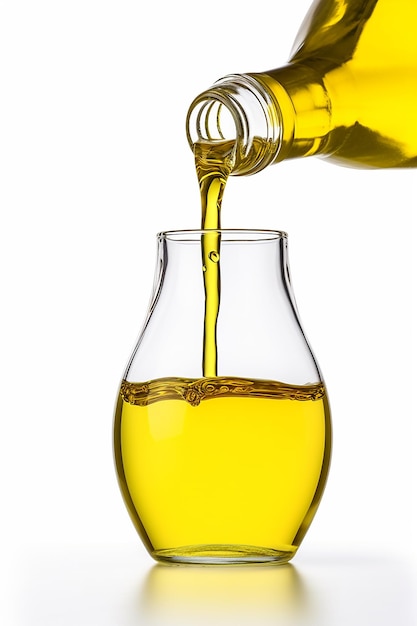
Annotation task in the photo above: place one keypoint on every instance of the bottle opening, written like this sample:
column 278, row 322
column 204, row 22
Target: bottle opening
column 238, row 109
column 211, row 120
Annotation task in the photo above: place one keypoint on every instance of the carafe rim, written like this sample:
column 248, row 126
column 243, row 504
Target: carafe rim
column 227, row 234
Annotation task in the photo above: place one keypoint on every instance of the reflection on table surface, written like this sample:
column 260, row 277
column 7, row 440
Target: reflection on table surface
column 119, row 586
column 332, row 591
column 213, row 595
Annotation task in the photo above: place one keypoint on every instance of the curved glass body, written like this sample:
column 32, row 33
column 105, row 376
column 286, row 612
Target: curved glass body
column 227, row 467
column 348, row 93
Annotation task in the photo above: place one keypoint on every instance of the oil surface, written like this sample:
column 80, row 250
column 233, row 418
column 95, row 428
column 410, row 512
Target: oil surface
column 222, row 468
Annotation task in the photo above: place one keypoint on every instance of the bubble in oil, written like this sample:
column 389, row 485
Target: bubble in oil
column 214, row 256
column 204, row 268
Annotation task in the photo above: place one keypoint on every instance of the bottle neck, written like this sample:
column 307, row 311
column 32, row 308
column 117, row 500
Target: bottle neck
column 270, row 117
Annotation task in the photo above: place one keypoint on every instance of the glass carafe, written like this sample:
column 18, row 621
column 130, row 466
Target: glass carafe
column 222, row 465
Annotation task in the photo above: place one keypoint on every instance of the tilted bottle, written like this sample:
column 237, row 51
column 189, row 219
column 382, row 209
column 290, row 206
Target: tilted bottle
column 348, row 93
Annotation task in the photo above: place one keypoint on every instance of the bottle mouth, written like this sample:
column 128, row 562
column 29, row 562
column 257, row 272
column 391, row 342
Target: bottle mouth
column 237, row 109
column 216, row 116
column 227, row 235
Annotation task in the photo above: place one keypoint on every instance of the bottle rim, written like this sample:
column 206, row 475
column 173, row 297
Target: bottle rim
column 254, row 113
column 226, row 234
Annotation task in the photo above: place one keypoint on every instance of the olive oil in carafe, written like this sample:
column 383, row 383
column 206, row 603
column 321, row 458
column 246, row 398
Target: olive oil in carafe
column 222, row 468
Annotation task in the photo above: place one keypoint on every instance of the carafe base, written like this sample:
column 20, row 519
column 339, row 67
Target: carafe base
column 223, row 554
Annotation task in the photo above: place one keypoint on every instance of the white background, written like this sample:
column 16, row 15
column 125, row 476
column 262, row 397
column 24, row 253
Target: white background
column 94, row 162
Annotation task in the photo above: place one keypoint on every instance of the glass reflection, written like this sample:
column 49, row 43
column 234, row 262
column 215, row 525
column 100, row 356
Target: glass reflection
column 224, row 595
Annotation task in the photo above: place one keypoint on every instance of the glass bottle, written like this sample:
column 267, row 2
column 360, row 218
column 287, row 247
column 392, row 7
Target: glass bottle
column 227, row 467
column 348, row 93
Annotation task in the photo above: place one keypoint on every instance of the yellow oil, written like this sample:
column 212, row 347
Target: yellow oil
column 214, row 162
column 222, row 469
